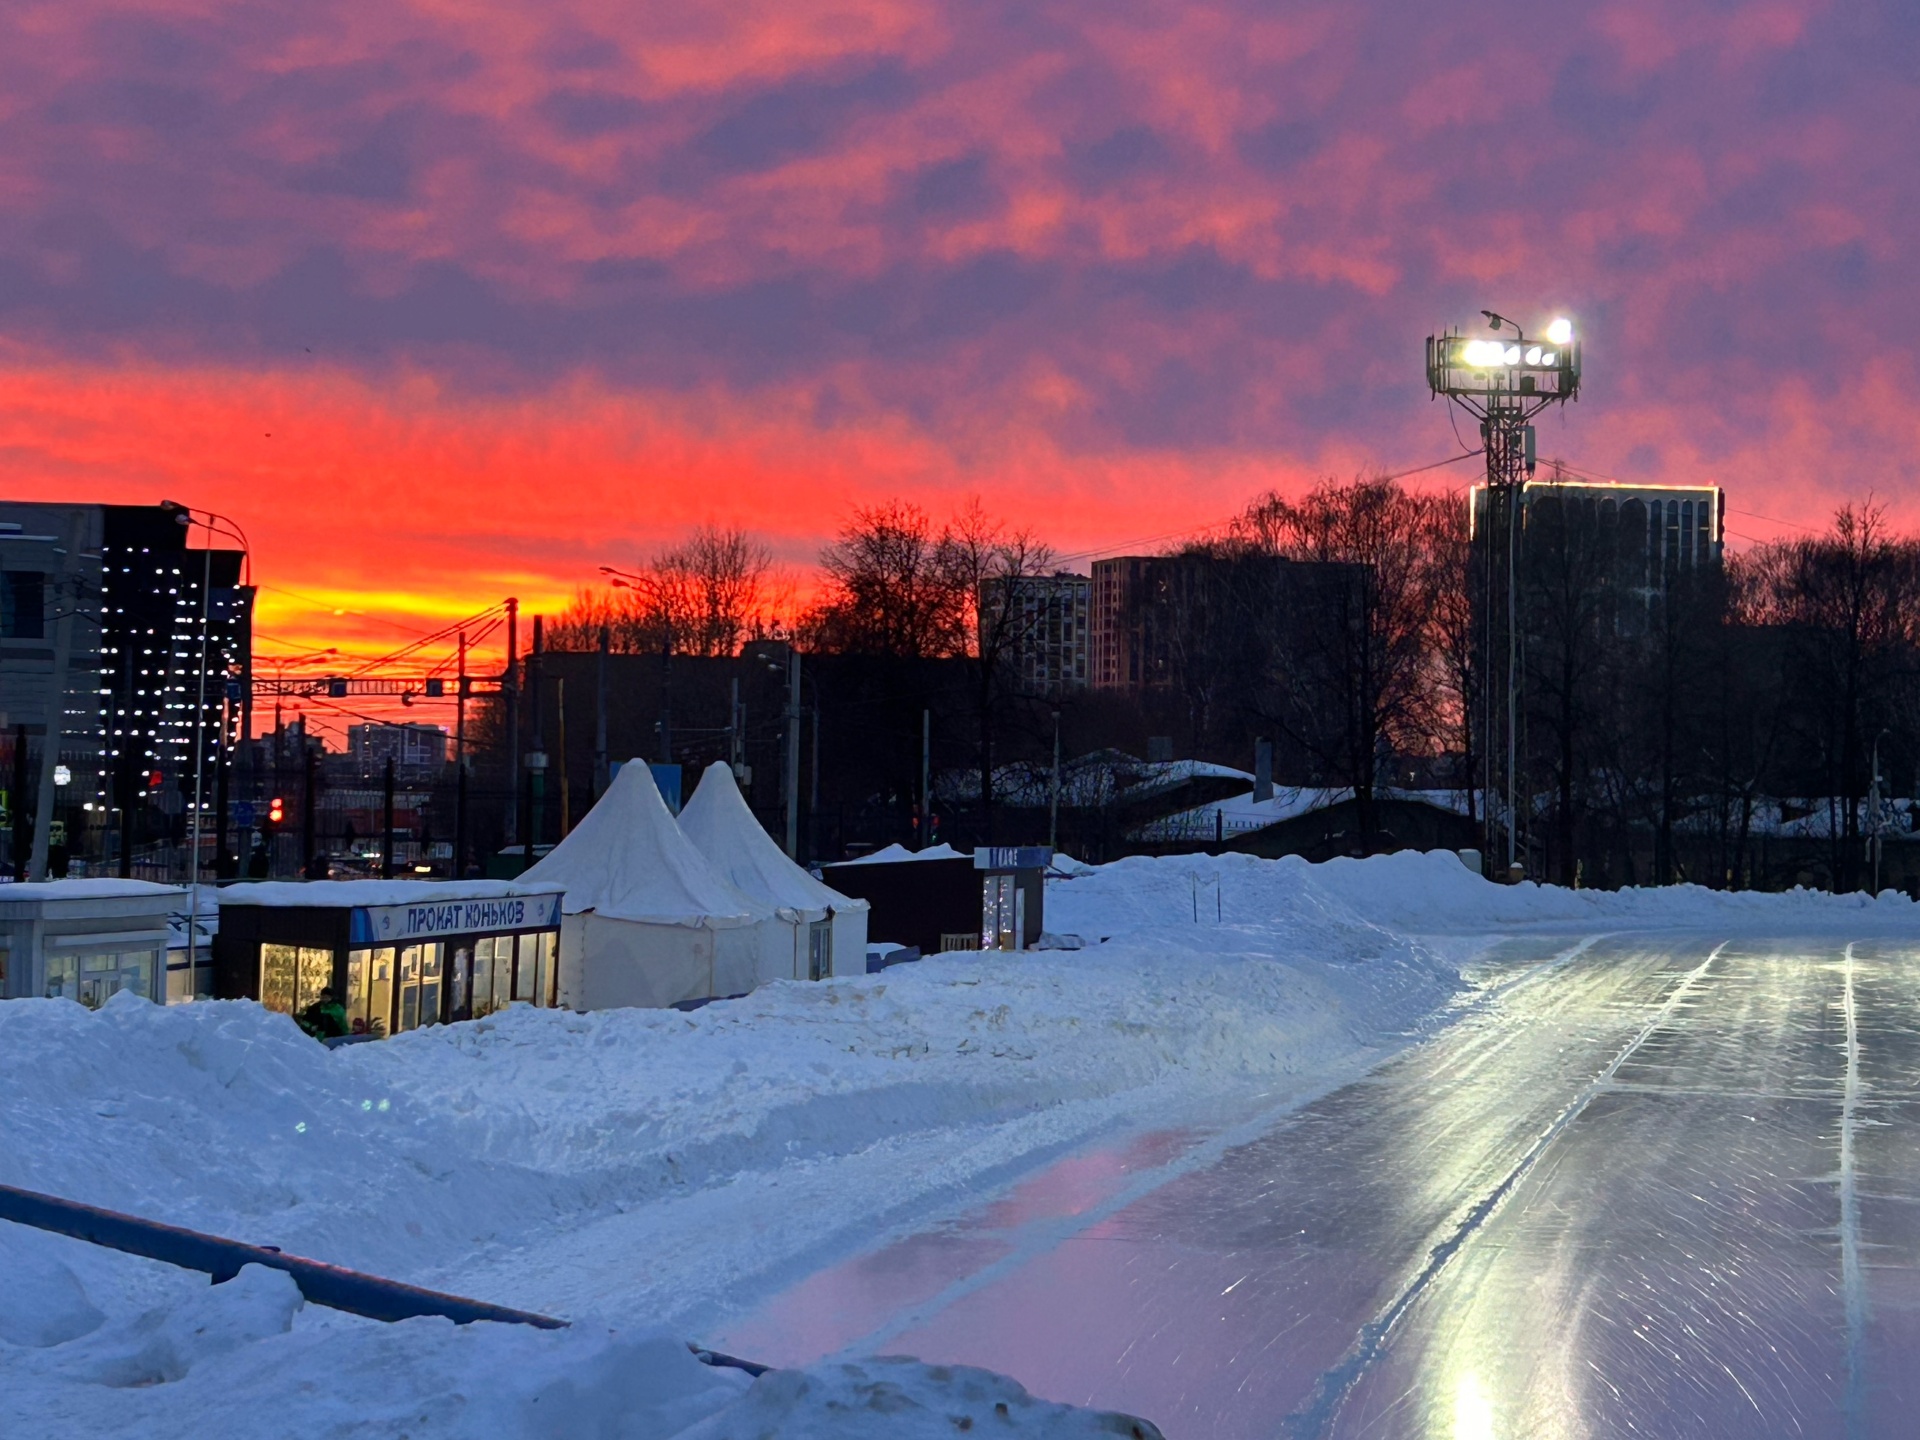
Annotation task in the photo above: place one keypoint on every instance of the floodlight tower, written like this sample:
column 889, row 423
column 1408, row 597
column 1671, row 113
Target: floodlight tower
column 1503, row 382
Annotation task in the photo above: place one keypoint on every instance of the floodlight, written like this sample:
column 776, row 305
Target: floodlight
column 1549, row 358
column 1533, row 355
column 1510, row 356
column 1560, row 332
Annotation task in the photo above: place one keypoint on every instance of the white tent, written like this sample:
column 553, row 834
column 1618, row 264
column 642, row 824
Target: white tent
column 647, row 919
column 718, row 821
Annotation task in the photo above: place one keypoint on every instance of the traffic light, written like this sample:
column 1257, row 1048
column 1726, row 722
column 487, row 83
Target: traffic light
column 276, row 810
column 155, row 780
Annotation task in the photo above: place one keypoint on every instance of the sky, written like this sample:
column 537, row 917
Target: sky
column 444, row 303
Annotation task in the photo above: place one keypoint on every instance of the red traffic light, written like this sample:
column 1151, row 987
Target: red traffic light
column 154, row 779
column 276, row 810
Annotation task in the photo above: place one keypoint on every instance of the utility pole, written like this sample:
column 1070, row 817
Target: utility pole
column 666, row 696
column 600, row 715
column 1053, row 798
column 793, row 754
column 57, row 702
column 310, row 862
column 16, row 818
column 460, row 762
column 1876, row 815
column 510, row 684
column 736, row 741
column 560, row 751
column 926, row 778
column 813, row 783
column 123, row 763
column 535, row 791
column 386, row 822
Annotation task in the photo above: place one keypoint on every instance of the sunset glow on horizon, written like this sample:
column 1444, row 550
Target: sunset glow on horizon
column 443, row 307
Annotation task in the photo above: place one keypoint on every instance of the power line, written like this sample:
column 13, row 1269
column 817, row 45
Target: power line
column 1228, row 520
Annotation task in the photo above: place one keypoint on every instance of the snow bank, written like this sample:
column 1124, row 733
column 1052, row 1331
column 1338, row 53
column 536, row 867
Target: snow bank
column 1418, row 893
column 241, row 1359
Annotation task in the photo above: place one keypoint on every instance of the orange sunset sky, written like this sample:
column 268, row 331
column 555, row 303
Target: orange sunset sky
column 443, row 304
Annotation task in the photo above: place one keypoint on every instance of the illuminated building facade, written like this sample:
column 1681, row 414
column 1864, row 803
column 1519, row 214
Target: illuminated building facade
column 147, row 640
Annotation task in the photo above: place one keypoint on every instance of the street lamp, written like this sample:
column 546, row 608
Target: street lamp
column 1503, row 383
column 213, row 523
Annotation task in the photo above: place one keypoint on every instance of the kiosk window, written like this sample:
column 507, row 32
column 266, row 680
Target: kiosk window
column 459, row 976
column 292, row 976
column 431, row 960
column 483, row 977
column 409, row 988
column 544, row 945
column 526, row 973
column 369, row 997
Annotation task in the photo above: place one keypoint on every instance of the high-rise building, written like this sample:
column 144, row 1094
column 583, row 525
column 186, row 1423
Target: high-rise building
column 125, row 651
column 1047, row 621
column 418, row 752
column 1646, row 537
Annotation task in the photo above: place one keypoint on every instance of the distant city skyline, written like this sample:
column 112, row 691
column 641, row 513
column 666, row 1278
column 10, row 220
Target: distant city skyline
column 444, row 307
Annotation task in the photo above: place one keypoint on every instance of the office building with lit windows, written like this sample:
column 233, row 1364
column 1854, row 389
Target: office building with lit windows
column 125, row 655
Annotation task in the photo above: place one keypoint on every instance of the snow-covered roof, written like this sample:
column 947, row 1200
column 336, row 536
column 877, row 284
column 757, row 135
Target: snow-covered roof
column 893, row 853
column 630, row 860
column 721, row 826
column 1239, row 814
column 350, row 893
column 102, row 888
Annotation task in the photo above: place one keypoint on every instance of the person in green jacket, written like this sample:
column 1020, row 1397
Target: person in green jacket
column 325, row 1018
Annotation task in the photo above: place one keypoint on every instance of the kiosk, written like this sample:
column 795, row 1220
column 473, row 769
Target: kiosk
column 398, row 954
column 85, row 939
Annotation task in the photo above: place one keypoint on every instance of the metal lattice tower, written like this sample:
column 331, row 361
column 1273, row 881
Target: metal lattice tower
column 1503, row 382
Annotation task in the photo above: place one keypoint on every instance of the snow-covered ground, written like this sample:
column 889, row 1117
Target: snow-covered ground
column 648, row 1174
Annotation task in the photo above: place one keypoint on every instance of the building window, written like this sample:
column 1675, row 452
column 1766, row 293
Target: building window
column 23, row 605
column 292, row 976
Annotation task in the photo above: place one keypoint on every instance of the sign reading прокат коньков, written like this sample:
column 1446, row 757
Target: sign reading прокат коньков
column 432, row 919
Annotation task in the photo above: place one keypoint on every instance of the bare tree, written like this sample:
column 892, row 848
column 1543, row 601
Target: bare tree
column 1362, row 644
column 889, row 589
column 704, row 596
column 1850, row 600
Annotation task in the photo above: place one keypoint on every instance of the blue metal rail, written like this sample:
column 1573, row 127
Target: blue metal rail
column 321, row 1284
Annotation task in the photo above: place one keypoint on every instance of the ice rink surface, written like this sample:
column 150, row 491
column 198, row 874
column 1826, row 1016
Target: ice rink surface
column 1660, row 1186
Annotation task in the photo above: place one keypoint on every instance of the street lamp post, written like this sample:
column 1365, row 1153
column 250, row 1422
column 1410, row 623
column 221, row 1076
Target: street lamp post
column 1503, row 384
column 212, row 525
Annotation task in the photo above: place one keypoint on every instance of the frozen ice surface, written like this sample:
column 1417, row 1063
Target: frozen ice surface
column 1366, row 1147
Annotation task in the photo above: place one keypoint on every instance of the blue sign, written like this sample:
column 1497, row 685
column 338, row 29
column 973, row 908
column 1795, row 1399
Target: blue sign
column 388, row 924
column 243, row 813
column 1012, row 857
column 667, row 777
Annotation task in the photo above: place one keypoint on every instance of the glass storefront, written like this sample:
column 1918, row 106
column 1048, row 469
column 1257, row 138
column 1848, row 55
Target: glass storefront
column 292, row 976
column 93, row 976
column 394, row 988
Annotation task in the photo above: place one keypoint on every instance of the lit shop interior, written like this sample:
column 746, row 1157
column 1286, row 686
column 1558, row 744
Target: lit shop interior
column 393, row 967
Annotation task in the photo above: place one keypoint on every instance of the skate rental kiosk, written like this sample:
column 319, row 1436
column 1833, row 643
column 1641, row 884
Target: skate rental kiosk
column 398, row 954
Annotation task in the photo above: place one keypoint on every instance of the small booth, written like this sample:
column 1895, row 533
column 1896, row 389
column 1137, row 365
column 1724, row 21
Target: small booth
column 398, row 954
column 86, row 940
column 830, row 937
column 940, row 899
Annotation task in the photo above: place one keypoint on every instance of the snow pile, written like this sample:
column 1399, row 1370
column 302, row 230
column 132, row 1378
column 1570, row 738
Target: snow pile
column 1417, row 893
column 243, row 1359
